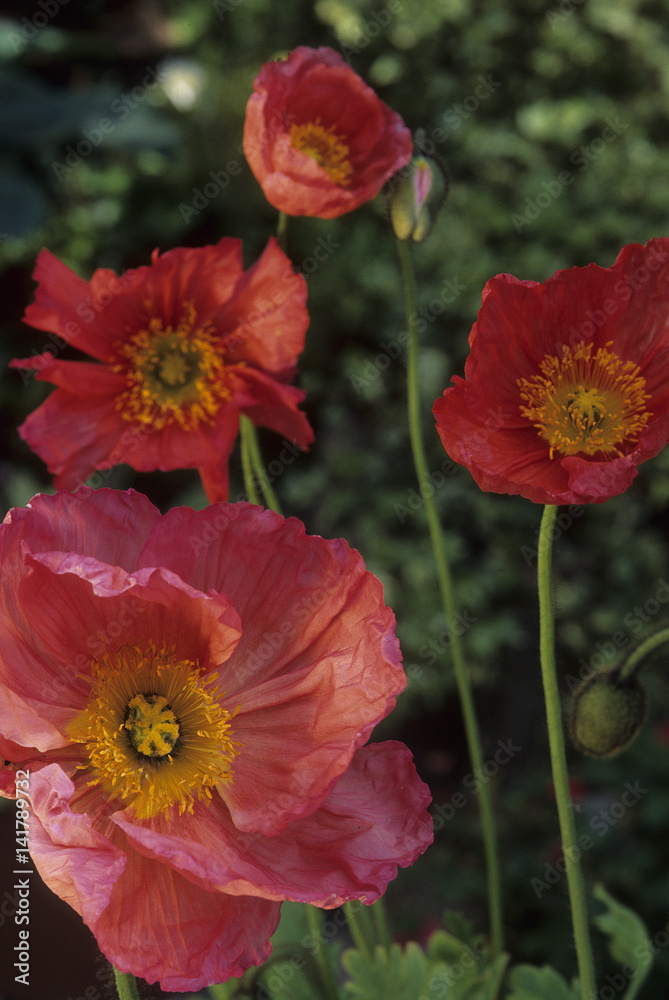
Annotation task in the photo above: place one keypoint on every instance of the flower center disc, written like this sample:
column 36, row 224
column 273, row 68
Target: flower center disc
column 585, row 403
column 154, row 731
column 172, row 375
column 326, row 147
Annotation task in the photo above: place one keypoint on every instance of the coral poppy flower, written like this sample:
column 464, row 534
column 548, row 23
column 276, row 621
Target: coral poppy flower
column 185, row 344
column 566, row 387
column 189, row 696
column 318, row 139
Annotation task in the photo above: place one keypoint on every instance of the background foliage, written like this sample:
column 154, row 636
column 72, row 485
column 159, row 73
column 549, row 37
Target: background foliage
column 552, row 121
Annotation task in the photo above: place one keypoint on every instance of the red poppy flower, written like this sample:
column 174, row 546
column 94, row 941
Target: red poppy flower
column 566, row 387
column 318, row 139
column 185, row 345
column 190, row 696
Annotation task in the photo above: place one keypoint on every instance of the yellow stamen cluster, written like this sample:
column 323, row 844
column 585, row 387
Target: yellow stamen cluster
column 154, row 731
column 172, row 375
column 586, row 403
column 327, row 148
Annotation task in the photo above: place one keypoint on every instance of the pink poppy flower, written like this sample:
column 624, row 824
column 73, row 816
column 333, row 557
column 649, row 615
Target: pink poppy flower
column 318, row 139
column 180, row 349
column 190, row 696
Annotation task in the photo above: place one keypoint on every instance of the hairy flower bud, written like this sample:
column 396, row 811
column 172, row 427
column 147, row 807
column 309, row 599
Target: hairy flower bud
column 415, row 195
column 606, row 713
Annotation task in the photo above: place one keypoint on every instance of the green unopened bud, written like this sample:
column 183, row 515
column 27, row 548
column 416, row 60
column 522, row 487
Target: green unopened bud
column 409, row 216
column 606, row 713
column 416, row 194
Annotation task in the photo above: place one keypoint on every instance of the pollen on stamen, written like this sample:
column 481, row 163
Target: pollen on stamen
column 172, row 375
column 154, row 732
column 586, row 403
column 326, row 146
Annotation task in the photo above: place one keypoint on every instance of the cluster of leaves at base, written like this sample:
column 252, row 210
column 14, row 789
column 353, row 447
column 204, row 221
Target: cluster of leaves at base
column 455, row 965
column 451, row 968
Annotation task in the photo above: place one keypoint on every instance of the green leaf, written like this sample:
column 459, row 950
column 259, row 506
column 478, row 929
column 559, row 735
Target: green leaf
column 410, row 974
column 393, row 973
column 529, row 983
column 628, row 940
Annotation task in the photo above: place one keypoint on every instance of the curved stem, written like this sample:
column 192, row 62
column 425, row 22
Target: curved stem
column 126, row 985
column 446, row 588
column 245, row 433
column 570, row 848
column 642, row 650
column 259, row 469
column 282, row 231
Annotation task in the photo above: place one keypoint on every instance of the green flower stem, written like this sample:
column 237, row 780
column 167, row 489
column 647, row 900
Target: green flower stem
column 360, row 927
column 282, row 230
column 258, row 466
column 646, row 647
column 126, row 985
column 570, row 849
column 383, row 935
column 447, row 595
column 246, row 432
column 328, row 983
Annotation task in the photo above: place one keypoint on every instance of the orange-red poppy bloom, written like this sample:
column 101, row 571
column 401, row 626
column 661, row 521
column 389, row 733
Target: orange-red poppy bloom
column 182, row 347
column 318, row 139
column 190, row 697
column 566, row 387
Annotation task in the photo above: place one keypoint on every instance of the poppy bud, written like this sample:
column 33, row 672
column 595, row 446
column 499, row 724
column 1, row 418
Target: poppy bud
column 606, row 713
column 415, row 195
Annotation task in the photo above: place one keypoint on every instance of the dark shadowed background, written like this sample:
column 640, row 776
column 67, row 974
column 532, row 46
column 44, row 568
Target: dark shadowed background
column 120, row 131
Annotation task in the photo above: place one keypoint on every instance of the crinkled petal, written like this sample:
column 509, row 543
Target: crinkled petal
column 73, row 858
column 163, row 927
column 60, row 300
column 74, row 436
column 87, row 608
column 317, row 645
column 374, row 821
column 266, row 315
column 38, row 688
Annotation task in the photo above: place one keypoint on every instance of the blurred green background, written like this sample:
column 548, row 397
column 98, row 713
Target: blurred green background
column 552, row 120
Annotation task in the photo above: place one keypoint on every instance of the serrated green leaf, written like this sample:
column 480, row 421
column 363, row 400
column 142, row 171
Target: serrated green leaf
column 530, row 983
column 628, row 938
column 393, row 974
column 470, row 979
column 445, row 947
